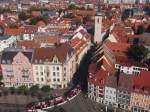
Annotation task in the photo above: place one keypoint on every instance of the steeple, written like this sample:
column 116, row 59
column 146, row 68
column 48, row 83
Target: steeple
column 99, row 8
column 98, row 24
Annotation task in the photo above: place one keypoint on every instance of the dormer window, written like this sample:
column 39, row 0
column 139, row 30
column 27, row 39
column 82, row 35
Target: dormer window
column 36, row 61
column 55, row 61
column 8, row 61
column 3, row 61
column 40, row 61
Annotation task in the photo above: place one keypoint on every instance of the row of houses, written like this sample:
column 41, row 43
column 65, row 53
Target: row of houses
column 49, row 61
column 117, row 81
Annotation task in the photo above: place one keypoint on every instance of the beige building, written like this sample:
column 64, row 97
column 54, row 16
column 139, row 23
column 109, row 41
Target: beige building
column 54, row 66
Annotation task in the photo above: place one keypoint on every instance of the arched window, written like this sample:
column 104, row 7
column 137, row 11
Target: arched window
column 98, row 20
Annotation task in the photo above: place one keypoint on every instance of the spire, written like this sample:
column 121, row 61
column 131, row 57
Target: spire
column 99, row 8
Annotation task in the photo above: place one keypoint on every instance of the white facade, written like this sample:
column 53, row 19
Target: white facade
column 5, row 43
column 55, row 74
column 98, row 28
column 95, row 93
column 110, row 97
column 131, row 70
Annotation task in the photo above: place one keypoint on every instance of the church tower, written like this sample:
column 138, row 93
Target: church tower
column 98, row 26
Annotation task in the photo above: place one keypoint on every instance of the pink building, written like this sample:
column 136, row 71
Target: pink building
column 17, row 68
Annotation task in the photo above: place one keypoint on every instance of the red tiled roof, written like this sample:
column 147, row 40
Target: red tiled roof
column 98, row 78
column 60, row 51
column 117, row 47
column 125, row 61
column 28, row 44
column 141, row 83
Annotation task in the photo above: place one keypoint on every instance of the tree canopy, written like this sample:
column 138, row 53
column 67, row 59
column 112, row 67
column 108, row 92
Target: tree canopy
column 22, row 16
column 34, row 88
column 46, row 89
column 140, row 30
column 137, row 52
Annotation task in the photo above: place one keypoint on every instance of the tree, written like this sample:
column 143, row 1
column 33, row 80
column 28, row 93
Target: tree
column 72, row 6
column 46, row 89
column 1, row 78
column 12, row 90
column 35, row 20
column 148, row 29
column 137, row 52
column 22, row 16
column 34, row 89
column 140, row 30
column 23, row 88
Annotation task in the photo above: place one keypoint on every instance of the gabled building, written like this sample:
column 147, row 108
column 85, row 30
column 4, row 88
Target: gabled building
column 16, row 67
column 54, row 66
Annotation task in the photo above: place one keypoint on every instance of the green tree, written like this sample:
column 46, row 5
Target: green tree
column 137, row 52
column 23, row 88
column 12, row 90
column 22, row 16
column 140, row 30
column 72, row 6
column 34, row 89
column 46, row 89
column 34, row 20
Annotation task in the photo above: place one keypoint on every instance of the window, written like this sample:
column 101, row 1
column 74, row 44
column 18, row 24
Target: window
column 53, row 68
column 57, row 68
column 42, row 79
column 37, row 79
column 64, row 68
column 64, row 74
column 54, row 79
column 37, row 73
column 36, row 67
column 58, row 80
column 55, row 61
column 57, row 73
column 41, row 73
column 54, row 74
column 41, row 67
column 47, row 74
column 98, row 20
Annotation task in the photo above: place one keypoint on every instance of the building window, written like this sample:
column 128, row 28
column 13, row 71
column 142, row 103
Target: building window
column 54, row 79
column 64, row 68
column 57, row 68
column 47, row 74
column 54, row 74
column 53, row 68
column 37, row 79
column 37, row 73
column 58, row 80
column 41, row 67
column 36, row 67
column 64, row 74
column 41, row 73
column 57, row 73
column 42, row 79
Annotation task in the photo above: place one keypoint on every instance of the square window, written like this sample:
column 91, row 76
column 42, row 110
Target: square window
column 57, row 73
column 54, row 79
column 42, row 79
column 57, row 68
column 54, row 74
